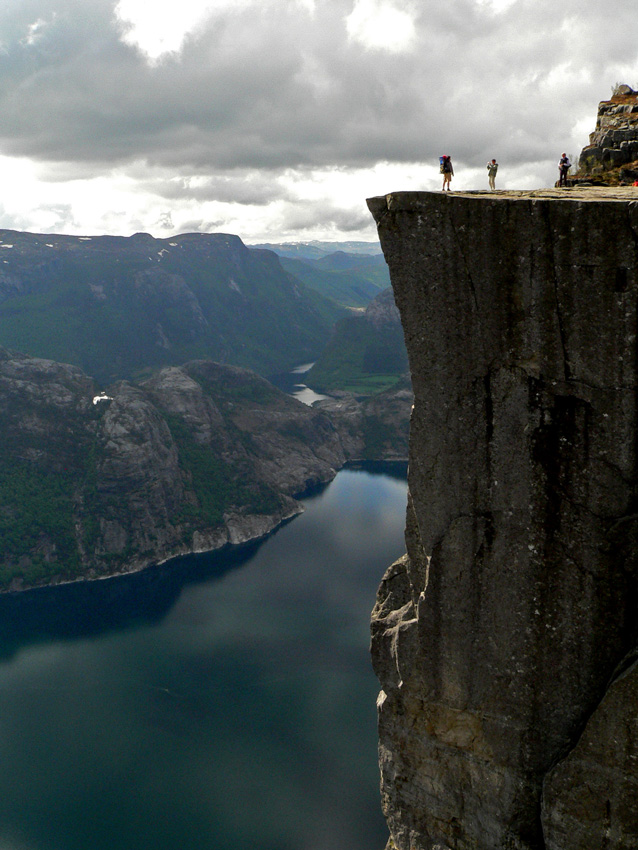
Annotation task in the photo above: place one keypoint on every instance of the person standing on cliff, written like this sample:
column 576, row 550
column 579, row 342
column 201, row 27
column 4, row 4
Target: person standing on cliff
column 563, row 167
column 492, row 168
column 447, row 171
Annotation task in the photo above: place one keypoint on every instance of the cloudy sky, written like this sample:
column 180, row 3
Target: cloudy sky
column 275, row 119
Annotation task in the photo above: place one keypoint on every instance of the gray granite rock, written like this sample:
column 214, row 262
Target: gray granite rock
column 590, row 799
column 612, row 142
column 496, row 637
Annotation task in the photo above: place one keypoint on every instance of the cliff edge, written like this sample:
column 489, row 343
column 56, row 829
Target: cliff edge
column 505, row 639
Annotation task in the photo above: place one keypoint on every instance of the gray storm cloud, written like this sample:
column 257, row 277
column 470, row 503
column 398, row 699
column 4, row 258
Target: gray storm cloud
column 282, row 85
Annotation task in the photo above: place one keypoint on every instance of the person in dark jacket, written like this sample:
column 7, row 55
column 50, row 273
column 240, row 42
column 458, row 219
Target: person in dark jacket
column 448, row 172
column 563, row 167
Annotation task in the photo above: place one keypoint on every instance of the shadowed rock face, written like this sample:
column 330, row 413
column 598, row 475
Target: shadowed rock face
column 504, row 639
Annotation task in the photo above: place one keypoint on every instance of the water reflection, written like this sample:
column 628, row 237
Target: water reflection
column 205, row 710
column 289, row 382
column 88, row 608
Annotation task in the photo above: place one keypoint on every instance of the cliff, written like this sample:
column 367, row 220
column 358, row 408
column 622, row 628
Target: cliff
column 612, row 153
column 505, row 640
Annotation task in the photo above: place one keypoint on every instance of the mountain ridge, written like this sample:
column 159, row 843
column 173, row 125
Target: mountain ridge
column 315, row 249
column 120, row 307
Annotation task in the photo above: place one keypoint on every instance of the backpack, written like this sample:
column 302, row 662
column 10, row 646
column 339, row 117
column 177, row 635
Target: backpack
column 444, row 164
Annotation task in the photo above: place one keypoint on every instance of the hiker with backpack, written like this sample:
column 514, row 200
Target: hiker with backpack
column 563, row 167
column 446, row 169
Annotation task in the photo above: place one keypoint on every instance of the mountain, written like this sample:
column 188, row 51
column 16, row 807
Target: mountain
column 351, row 280
column 341, row 261
column 366, row 354
column 350, row 273
column 375, row 427
column 195, row 457
column 314, row 250
column 120, row 307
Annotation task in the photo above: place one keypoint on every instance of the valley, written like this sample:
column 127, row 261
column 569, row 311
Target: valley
column 154, row 455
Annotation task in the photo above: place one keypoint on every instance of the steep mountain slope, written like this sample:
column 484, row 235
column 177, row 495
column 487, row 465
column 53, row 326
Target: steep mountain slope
column 198, row 456
column 120, row 307
column 366, row 354
column 350, row 280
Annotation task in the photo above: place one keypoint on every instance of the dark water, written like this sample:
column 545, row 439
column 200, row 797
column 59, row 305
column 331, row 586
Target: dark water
column 221, row 703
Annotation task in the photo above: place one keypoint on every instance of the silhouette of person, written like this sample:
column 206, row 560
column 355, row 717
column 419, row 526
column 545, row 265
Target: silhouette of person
column 563, row 167
column 447, row 170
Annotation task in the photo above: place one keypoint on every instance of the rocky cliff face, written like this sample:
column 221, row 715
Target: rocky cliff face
column 197, row 457
column 614, row 142
column 505, row 640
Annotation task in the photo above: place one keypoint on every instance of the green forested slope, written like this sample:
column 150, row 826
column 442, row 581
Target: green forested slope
column 120, row 307
column 351, row 280
column 366, row 354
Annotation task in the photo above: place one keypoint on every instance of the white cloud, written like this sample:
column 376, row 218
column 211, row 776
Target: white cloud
column 160, row 27
column 496, row 5
column 34, row 32
column 381, row 25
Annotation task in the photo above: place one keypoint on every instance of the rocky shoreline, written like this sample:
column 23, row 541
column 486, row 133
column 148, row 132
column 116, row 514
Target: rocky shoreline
column 196, row 458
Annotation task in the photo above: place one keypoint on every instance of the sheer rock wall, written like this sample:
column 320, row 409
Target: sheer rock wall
column 505, row 639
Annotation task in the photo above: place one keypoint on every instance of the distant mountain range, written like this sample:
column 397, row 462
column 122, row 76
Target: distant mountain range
column 123, row 307
column 351, row 280
column 314, row 250
column 351, row 273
